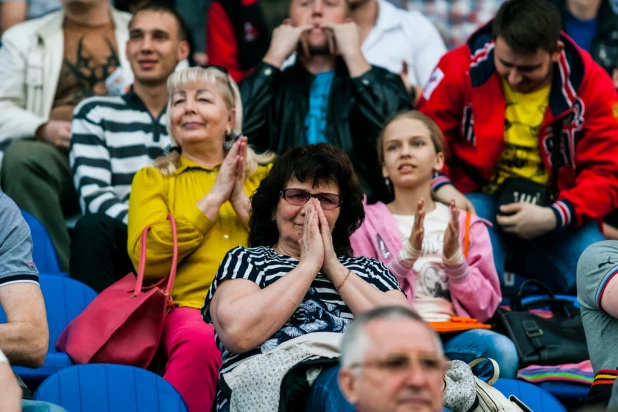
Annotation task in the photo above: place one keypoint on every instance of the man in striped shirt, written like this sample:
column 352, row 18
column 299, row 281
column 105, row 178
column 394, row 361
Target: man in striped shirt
column 114, row 137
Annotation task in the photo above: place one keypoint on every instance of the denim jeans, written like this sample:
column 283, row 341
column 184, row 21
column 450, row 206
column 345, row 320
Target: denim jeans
column 551, row 258
column 478, row 343
column 38, row 406
column 325, row 395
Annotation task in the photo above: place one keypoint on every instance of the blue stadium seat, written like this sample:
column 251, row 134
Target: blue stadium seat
column 566, row 391
column 534, row 397
column 43, row 251
column 110, row 388
column 65, row 298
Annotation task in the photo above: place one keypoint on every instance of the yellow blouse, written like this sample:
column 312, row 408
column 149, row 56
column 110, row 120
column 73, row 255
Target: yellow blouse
column 202, row 244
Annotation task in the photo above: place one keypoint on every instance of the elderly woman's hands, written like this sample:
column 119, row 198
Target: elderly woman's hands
column 238, row 198
column 229, row 185
column 330, row 257
column 311, row 242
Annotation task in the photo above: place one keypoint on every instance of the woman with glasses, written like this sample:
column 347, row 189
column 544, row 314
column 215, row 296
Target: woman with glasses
column 205, row 183
column 297, row 277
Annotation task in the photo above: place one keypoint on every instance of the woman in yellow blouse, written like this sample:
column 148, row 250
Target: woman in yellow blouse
column 205, row 184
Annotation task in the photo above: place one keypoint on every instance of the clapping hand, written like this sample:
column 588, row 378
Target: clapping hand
column 238, row 192
column 451, row 234
column 229, row 185
column 227, row 177
column 418, row 230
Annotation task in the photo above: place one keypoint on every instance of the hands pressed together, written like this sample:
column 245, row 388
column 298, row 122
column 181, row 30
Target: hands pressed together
column 229, row 184
column 316, row 242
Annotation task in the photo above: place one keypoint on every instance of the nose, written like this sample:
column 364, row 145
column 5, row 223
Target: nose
column 514, row 77
column 416, row 377
column 146, row 44
column 189, row 105
column 317, row 8
column 406, row 151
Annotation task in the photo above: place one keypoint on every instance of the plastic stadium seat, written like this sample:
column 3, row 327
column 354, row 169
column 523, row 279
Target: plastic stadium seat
column 569, row 298
column 110, row 388
column 566, row 391
column 43, row 251
column 65, row 298
column 534, row 397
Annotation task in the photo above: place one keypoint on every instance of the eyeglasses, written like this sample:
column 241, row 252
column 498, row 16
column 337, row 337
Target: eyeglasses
column 299, row 197
column 400, row 363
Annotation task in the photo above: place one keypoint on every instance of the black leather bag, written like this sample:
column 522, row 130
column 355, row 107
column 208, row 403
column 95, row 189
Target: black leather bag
column 541, row 341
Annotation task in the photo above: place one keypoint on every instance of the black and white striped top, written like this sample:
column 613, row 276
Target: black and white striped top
column 112, row 138
column 321, row 310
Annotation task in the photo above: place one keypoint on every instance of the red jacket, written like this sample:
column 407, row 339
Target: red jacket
column 464, row 97
column 237, row 36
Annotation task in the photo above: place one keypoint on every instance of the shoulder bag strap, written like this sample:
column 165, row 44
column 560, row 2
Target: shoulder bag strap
column 496, row 372
column 142, row 261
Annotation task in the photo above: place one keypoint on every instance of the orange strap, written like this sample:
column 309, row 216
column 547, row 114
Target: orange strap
column 466, row 239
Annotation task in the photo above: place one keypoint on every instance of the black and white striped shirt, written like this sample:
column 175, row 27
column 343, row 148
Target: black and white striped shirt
column 112, row 138
column 322, row 309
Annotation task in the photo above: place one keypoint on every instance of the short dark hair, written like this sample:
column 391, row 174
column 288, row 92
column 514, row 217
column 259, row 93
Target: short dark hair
column 160, row 7
column 319, row 164
column 528, row 25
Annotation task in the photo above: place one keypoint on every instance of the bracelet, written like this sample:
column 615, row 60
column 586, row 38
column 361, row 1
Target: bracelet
column 344, row 279
column 3, row 358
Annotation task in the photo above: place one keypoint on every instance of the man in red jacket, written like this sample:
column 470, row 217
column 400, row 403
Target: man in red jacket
column 531, row 122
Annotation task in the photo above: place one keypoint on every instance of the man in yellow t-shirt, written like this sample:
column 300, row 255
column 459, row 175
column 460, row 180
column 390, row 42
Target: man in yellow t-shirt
column 521, row 156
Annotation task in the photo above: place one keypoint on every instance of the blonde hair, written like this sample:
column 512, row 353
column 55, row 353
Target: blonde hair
column 227, row 89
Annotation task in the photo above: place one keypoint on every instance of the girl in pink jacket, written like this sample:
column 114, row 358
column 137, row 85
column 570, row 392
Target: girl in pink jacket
column 421, row 241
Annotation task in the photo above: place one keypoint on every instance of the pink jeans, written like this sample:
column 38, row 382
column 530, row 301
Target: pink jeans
column 193, row 358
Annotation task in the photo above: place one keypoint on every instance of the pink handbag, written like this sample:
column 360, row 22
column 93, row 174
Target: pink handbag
column 124, row 323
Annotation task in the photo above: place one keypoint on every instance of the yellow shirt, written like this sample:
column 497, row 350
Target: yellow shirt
column 521, row 156
column 202, row 244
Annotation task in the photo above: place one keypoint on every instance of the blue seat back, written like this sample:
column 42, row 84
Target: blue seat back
column 43, row 251
column 110, row 388
column 534, row 397
column 65, row 298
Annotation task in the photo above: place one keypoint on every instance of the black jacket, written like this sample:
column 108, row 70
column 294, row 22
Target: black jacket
column 604, row 49
column 276, row 103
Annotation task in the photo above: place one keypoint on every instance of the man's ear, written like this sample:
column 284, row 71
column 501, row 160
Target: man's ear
column 555, row 55
column 347, row 384
column 183, row 50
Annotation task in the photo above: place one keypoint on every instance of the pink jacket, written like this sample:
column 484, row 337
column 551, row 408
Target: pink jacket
column 474, row 285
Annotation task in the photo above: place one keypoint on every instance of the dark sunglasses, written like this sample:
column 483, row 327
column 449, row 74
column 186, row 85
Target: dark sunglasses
column 299, row 197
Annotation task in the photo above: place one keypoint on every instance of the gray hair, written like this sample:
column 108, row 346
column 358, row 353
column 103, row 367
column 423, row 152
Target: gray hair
column 355, row 341
column 228, row 91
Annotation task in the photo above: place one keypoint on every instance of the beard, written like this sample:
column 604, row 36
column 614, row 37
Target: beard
column 319, row 50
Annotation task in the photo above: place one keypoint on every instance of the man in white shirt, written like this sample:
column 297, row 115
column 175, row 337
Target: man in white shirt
column 401, row 41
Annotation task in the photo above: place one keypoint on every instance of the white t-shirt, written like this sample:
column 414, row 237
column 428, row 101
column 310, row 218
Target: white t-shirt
column 432, row 298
